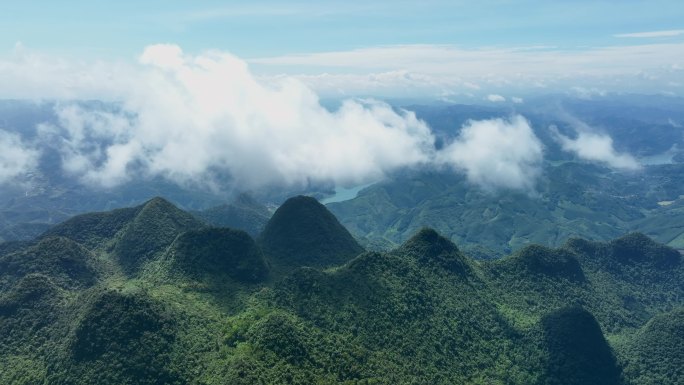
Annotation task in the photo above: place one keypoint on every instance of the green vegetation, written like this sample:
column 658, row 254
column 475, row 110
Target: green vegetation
column 30, row 314
column 302, row 232
column 121, row 339
column 94, row 229
column 577, row 351
column 534, row 261
column 638, row 248
column 243, row 213
column 154, row 228
column 67, row 262
column 150, row 295
column 215, row 251
column 431, row 249
column 654, row 354
column 571, row 200
column 22, row 231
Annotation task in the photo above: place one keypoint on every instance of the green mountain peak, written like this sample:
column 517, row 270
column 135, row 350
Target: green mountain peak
column 578, row 352
column 430, row 247
column 216, row 251
column 638, row 248
column 537, row 259
column 302, row 232
column 157, row 223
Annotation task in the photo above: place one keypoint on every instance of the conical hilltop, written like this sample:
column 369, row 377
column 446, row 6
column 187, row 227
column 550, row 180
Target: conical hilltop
column 302, row 232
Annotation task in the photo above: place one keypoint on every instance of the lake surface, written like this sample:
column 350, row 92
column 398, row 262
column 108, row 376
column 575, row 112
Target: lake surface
column 345, row 194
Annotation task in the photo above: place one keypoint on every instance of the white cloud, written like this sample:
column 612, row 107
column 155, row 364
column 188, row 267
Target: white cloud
column 494, row 98
column 386, row 71
column 596, row 147
column 27, row 74
column 192, row 117
column 16, row 158
column 517, row 100
column 650, row 34
column 391, row 83
column 512, row 63
column 198, row 118
column 497, row 153
column 499, row 70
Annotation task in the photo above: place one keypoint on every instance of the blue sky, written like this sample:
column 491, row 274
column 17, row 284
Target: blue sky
column 268, row 28
column 293, row 38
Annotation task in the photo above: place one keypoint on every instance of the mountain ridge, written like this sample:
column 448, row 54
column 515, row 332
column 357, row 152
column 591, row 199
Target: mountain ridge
column 423, row 313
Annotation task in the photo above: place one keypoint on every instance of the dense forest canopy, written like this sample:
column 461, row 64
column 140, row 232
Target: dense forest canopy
column 152, row 295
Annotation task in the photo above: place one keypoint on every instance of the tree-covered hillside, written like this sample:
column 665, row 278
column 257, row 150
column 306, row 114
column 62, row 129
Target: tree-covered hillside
column 150, row 295
column 571, row 200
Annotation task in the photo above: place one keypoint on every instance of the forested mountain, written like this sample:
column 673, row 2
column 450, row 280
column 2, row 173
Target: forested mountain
column 302, row 232
column 342, row 192
column 573, row 200
column 244, row 213
column 151, row 295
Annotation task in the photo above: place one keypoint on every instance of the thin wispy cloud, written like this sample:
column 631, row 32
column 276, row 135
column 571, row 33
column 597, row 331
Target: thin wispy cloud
column 16, row 157
column 449, row 59
column 652, row 34
column 639, row 68
column 31, row 74
column 394, row 71
column 256, row 10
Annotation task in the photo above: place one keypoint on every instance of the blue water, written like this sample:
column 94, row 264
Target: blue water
column 344, row 194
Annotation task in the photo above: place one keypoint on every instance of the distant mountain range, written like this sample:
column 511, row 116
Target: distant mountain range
column 573, row 200
column 572, row 197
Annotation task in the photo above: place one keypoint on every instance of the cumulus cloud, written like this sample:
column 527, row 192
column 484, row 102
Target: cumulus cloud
column 494, row 98
column 191, row 118
column 16, row 158
column 208, row 119
column 517, row 100
column 497, row 153
column 595, row 147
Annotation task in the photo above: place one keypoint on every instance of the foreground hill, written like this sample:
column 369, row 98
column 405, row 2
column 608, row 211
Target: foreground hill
column 150, row 295
column 302, row 232
column 654, row 354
